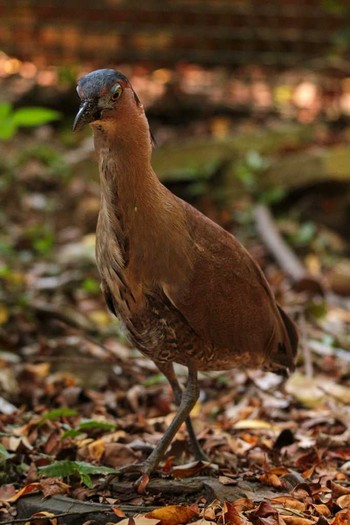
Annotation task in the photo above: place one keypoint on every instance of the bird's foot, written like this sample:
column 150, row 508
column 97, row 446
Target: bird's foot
column 133, row 469
column 199, row 455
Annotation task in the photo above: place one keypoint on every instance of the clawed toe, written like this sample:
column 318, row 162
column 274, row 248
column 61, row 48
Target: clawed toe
column 135, row 468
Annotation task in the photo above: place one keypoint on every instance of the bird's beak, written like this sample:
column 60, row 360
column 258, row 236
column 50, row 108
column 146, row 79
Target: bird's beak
column 87, row 113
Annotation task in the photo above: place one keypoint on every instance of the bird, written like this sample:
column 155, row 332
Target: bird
column 184, row 289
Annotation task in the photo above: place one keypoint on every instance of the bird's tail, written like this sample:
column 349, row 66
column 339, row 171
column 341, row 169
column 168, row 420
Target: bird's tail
column 283, row 358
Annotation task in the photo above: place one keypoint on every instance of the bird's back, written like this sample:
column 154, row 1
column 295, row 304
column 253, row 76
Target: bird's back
column 229, row 304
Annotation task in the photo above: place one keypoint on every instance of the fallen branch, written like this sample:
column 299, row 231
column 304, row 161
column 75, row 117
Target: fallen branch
column 271, row 237
column 73, row 511
column 68, row 316
column 283, row 254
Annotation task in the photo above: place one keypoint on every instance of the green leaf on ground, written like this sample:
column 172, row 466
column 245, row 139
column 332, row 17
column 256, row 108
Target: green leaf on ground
column 69, row 468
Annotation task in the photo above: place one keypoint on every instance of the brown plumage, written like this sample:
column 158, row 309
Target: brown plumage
column 185, row 289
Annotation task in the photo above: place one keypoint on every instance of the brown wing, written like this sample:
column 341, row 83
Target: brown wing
column 228, row 302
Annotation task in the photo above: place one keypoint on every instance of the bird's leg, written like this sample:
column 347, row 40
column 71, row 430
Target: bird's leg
column 168, row 371
column 188, row 400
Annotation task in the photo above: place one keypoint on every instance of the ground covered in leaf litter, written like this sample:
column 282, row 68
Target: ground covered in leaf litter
column 77, row 402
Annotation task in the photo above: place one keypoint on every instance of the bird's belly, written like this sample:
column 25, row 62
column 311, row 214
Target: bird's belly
column 211, row 359
column 163, row 341
column 161, row 333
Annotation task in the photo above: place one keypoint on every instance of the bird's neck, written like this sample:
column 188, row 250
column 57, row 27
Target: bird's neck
column 138, row 210
column 129, row 188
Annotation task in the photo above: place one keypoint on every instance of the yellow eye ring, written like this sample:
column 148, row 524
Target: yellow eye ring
column 116, row 91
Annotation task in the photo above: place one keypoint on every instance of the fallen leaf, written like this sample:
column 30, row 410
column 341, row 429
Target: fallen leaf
column 37, row 518
column 311, row 392
column 11, row 443
column 308, row 473
column 96, row 449
column 7, row 491
column 270, row 479
column 322, row 510
column 209, row 513
column 225, row 480
column 243, row 504
column 253, row 424
column 118, row 455
column 344, row 501
column 189, row 469
column 342, row 518
column 118, row 512
column 52, row 486
column 296, row 520
column 279, row 471
column 39, row 370
column 53, row 443
column 290, row 503
column 231, row 515
column 173, row 514
column 4, row 314
column 23, row 491
column 338, row 490
column 139, row 519
column 264, row 510
column 143, row 483
column 202, row 521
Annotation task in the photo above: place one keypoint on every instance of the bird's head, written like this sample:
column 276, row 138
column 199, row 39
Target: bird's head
column 103, row 94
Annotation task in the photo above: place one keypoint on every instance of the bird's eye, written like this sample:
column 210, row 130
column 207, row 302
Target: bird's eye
column 116, row 91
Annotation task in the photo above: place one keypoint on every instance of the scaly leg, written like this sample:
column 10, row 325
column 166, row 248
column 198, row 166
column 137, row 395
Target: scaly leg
column 168, row 371
column 188, row 400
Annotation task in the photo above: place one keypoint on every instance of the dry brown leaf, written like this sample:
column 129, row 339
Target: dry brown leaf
column 142, row 520
column 96, row 449
column 7, row 491
column 231, row 515
column 344, row 501
column 271, row 479
column 40, row 370
column 173, row 514
column 209, row 513
column 139, row 519
column 203, row 521
column 308, row 473
column 118, row 512
column 338, row 490
column 254, row 424
column 290, row 503
column 311, row 392
column 118, row 455
column 225, row 480
column 243, row 504
column 51, row 486
column 11, row 443
column 322, row 510
column 189, row 469
column 279, row 471
column 265, row 514
column 296, row 520
column 342, row 518
column 37, row 518
column 23, row 491
column 53, row 443
column 143, row 483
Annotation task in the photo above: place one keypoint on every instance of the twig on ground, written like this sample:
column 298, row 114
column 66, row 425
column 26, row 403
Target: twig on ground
column 269, row 234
